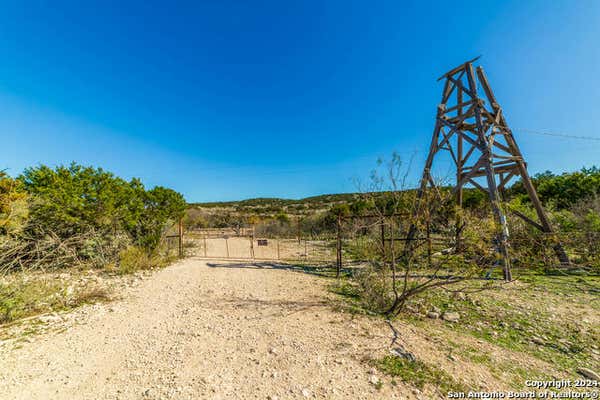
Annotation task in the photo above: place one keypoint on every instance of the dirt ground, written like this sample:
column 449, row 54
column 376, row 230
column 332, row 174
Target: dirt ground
column 224, row 330
column 205, row 330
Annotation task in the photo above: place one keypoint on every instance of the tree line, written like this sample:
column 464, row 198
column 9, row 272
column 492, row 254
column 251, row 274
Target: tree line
column 80, row 214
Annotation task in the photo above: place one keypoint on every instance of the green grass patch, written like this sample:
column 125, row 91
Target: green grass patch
column 418, row 374
column 351, row 300
column 523, row 327
column 586, row 287
column 346, row 289
column 541, row 316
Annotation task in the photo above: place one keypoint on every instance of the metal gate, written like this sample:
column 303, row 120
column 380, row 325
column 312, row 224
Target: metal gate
column 236, row 244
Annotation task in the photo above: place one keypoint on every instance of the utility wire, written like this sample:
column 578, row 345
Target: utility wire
column 558, row 134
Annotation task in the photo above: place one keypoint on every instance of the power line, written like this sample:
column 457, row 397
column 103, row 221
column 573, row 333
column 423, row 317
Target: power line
column 558, row 134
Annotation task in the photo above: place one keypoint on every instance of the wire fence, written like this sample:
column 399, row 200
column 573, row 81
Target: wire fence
column 357, row 240
column 347, row 243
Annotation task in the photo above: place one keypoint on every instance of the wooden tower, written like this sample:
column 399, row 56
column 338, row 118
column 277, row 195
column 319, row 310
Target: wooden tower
column 472, row 128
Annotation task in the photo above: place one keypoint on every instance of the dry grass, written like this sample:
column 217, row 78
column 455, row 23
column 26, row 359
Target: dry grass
column 24, row 295
column 32, row 292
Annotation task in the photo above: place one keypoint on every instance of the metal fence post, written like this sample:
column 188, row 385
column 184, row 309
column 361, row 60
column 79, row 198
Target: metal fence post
column 339, row 247
column 180, row 238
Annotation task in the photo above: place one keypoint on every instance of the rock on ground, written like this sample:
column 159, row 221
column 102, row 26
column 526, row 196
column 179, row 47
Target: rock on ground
column 588, row 373
column 451, row 316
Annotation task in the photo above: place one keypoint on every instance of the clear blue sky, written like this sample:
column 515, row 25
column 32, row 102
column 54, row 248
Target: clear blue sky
column 226, row 99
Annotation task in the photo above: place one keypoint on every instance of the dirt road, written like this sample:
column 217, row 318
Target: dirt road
column 199, row 330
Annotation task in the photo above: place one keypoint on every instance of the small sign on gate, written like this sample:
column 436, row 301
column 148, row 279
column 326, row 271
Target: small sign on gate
column 263, row 242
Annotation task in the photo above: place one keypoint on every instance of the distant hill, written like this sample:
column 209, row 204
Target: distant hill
column 271, row 205
column 262, row 201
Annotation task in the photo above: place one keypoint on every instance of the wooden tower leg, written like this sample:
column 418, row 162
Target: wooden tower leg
column 502, row 228
column 522, row 168
column 488, row 162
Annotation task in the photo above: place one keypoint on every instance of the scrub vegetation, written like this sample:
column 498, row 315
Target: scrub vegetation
column 456, row 325
column 75, row 218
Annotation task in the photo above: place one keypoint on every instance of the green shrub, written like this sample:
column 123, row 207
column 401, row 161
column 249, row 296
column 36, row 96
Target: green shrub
column 564, row 190
column 162, row 207
column 13, row 205
column 76, row 215
column 75, row 199
column 374, row 288
column 136, row 258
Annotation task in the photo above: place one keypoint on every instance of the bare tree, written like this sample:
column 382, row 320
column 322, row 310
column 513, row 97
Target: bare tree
column 404, row 266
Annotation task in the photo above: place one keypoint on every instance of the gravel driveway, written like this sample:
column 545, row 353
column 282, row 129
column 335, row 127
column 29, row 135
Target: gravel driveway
column 206, row 330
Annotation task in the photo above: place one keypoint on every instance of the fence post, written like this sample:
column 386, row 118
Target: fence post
column 227, row 245
column 383, row 237
column 338, row 263
column 180, row 237
column 205, row 246
column 278, row 254
column 252, row 245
